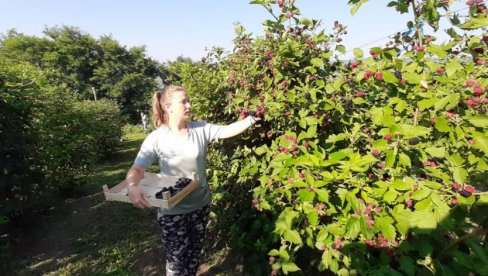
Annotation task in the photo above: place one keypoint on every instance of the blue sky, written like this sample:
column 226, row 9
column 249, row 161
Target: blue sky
column 170, row 28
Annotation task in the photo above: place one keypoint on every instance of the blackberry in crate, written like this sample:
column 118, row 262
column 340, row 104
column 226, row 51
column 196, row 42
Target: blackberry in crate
column 180, row 184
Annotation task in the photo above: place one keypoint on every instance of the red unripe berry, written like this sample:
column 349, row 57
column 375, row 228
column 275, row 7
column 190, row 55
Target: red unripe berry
column 375, row 152
column 382, row 165
column 469, row 102
column 354, row 64
column 456, row 186
column 478, row 90
column 403, row 81
column 440, row 70
column 243, row 114
column 360, row 94
column 469, row 189
column 454, row 201
column 470, row 83
column 280, row 3
column 477, row 100
column 409, row 203
column 378, row 76
column 388, row 137
column 480, row 62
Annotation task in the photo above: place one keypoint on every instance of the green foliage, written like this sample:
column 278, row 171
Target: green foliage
column 49, row 138
column 368, row 166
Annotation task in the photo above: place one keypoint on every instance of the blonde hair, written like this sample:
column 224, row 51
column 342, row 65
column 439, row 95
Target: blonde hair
column 160, row 98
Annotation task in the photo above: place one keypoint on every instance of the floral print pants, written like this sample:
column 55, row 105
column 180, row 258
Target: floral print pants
column 183, row 237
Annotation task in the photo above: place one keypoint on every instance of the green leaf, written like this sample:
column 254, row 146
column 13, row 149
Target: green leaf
column 475, row 23
column 261, row 150
column 356, row 6
column 322, row 195
column 358, row 53
column 478, row 121
column 390, row 196
column 424, row 220
column 404, row 160
column 306, row 195
column 390, row 158
column 442, row 125
column 481, row 143
column 284, row 253
column 410, row 131
column 436, row 152
column 341, row 49
column 407, row 265
column 452, row 67
column 427, row 103
column 292, row 236
column 317, row 62
column 400, row 185
column 385, row 226
column 412, row 78
column 353, row 228
column 389, row 77
column 289, row 267
column 313, row 218
column 274, row 252
column 421, row 194
column 335, row 229
column 403, row 221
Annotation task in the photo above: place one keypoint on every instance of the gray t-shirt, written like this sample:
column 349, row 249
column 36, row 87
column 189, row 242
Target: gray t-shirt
column 181, row 155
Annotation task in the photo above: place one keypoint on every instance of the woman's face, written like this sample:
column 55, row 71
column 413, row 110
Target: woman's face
column 179, row 106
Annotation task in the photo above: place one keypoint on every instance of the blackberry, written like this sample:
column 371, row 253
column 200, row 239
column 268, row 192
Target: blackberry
column 181, row 183
column 465, row 193
column 413, row 141
column 160, row 193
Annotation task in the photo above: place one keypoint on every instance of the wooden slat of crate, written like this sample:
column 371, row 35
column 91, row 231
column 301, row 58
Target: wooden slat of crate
column 152, row 183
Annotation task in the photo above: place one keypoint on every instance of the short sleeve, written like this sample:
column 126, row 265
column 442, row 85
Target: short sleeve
column 212, row 131
column 147, row 155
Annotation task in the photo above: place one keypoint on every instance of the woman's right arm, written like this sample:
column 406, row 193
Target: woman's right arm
column 136, row 194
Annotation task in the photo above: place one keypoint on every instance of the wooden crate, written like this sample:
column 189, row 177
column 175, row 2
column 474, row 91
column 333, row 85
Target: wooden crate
column 151, row 184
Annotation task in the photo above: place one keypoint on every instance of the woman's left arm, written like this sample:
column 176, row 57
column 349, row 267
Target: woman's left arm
column 238, row 127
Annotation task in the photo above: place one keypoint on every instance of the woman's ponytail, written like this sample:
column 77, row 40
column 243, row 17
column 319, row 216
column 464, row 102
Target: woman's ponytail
column 158, row 112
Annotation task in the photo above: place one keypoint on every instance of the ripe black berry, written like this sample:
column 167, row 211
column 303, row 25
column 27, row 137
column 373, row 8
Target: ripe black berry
column 413, row 141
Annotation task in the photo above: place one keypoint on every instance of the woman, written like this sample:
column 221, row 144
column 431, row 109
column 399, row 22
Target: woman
column 180, row 147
